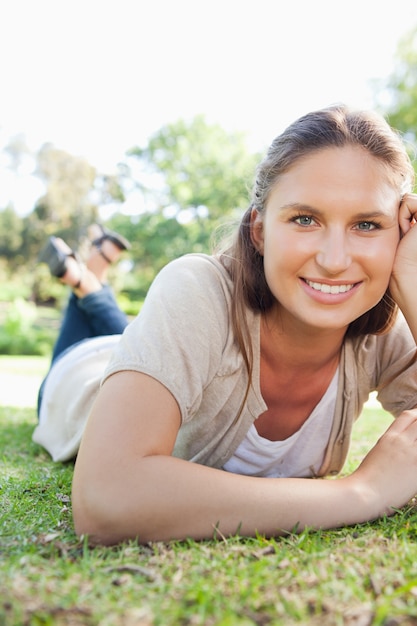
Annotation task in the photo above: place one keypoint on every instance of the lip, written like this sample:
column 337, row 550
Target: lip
column 332, row 292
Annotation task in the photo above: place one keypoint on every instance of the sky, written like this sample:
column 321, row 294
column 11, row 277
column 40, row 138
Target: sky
column 96, row 77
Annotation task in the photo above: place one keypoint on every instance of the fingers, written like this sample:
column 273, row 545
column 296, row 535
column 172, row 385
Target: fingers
column 408, row 212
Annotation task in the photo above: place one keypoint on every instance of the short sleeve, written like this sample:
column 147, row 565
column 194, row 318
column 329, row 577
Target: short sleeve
column 396, row 369
column 182, row 331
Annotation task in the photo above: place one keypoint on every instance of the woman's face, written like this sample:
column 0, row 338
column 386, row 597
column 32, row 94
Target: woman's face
column 328, row 236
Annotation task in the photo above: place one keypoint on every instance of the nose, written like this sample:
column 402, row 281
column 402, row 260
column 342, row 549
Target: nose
column 333, row 255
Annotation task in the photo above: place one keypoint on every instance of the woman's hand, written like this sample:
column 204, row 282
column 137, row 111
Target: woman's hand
column 408, row 213
column 406, row 258
column 403, row 283
column 390, row 468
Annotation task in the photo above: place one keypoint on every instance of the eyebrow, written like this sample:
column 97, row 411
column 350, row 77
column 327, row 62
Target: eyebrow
column 299, row 206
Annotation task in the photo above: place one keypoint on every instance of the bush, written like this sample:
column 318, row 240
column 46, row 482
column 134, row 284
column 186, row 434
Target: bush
column 129, row 306
column 19, row 334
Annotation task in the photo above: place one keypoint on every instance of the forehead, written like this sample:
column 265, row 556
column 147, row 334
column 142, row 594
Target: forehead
column 341, row 174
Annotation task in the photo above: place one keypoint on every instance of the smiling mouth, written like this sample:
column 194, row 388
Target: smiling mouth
column 333, row 289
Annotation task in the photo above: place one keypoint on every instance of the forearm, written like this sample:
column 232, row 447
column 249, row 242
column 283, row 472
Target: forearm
column 126, row 484
column 403, row 285
column 406, row 298
column 167, row 498
column 409, row 310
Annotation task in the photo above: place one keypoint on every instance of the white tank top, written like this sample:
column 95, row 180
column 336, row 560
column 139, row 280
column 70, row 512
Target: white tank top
column 300, row 455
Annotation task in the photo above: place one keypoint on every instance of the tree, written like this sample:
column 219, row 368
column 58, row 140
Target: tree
column 18, row 152
column 74, row 191
column 192, row 177
column 67, row 204
column 195, row 177
column 398, row 97
column 204, row 170
column 11, row 228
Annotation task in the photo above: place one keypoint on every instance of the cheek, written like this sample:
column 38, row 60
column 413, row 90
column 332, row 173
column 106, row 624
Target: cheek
column 283, row 258
column 288, row 250
column 388, row 246
column 277, row 252
column 380, row 257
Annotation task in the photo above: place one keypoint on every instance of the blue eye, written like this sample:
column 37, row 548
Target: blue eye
column 304, row 220
column 367, row 226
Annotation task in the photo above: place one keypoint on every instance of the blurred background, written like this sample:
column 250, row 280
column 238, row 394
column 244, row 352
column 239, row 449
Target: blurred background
column 150, row 117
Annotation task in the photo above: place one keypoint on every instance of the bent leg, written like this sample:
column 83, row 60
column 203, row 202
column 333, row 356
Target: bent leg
column 92, row 310
column 103, row 313
column 75, row 327
column 92, row 316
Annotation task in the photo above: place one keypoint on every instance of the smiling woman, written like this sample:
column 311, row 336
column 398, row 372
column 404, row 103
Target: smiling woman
column 244, row 372
column 328, row 245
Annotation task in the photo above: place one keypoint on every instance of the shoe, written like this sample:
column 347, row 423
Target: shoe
column 55, row 258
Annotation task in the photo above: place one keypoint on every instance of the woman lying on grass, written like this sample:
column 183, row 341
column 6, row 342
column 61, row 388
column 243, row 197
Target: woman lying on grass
column 243, row 374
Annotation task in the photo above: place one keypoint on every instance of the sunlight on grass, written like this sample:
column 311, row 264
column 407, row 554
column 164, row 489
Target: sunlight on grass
column 20, row 378
column 364, row 575
column 372, row 423
column 24, row 365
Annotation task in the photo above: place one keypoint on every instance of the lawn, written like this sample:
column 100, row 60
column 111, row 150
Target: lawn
column 355, row 576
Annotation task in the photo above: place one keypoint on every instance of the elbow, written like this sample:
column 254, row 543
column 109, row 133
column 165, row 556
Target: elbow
column 97, row 514
column 111, row 503
column 93, row 519
column 105, row 510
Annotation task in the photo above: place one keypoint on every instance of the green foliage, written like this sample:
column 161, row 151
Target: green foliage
column 398, row 99
column 202, row 166
column 47, row 290
column 157, row 240
column 11, row 227
column 69, row 181
column 199, row 183
column 9, row 290
column 193, row 176
column 19, row 334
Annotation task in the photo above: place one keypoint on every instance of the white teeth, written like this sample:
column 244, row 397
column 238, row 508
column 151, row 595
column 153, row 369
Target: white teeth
column 329, row 288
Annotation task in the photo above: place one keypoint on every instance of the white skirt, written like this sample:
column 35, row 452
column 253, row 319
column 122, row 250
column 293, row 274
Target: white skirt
column 68, row 395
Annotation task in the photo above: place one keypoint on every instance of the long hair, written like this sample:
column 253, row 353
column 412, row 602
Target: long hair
column 333, row 127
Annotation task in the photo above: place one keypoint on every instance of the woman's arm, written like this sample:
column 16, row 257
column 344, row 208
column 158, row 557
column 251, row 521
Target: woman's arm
column 127, row 484
column 403, row 285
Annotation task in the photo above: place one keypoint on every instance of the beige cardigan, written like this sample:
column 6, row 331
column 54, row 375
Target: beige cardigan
column 183, row 338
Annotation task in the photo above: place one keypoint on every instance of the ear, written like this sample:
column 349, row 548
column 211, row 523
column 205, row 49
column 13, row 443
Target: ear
column 257, row 230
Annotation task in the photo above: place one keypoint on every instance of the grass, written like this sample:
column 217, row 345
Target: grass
column 355, row 576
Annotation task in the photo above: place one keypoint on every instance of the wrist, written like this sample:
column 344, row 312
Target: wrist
column 366, row 501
